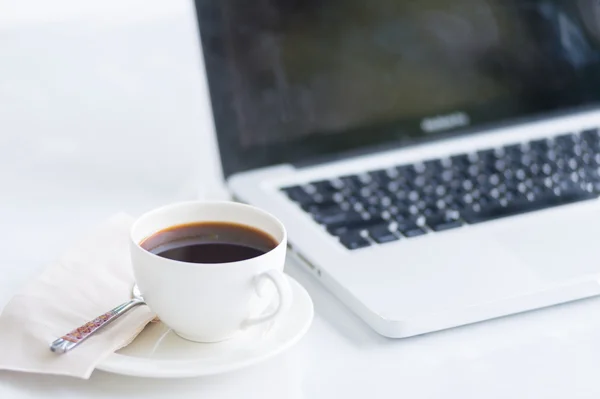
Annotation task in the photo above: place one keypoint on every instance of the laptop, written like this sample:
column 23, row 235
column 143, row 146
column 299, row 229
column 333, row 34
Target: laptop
column 435, row 163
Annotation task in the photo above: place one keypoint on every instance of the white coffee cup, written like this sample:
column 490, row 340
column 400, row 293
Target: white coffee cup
column 211, row 302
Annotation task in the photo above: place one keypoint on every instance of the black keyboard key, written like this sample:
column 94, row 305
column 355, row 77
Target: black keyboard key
column 460, row 161
column 433, row 168
column 337, row 217
column 338, row 230
column 353, row 199
column 448, row 175
column 487, row 156
column 321, row 199
column 381, row 233
column 433, row 164
column 298, row 195
column 413, row 232
column 405, row 172
column 534, row 169
column 366, row 192
column 380, row 177
column 539, row 146
column 374, row 212
column 419, row 181
column 444, row 221
column 315, row 208
column 428, row 212
column 428, row 201
column 409, row 172
column 513, row 151
column 309, row 198
column 473, row 171
column 395, row 186
column 353, row 240
column 592, row 172
column 565, row 140
column 446, row 225
column 351, row 183
column 411, row 225
column 352, row 221
column 324, row 187
column 591, row 136
column 365, row 179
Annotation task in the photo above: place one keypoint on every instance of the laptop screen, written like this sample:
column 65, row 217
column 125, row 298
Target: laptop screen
column 295, row 80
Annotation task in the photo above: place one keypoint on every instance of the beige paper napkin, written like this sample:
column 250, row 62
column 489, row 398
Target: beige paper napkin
column 90, row 279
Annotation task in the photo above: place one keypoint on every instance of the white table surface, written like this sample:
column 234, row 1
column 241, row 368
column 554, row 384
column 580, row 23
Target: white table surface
column 103, row 109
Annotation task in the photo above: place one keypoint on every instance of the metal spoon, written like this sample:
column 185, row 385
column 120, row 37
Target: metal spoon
column 77, row 336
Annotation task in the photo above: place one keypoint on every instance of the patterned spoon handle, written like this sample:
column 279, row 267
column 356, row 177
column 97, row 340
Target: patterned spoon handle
column 77, row 336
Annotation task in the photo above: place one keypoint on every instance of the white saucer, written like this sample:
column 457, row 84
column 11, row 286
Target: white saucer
column 158, row 352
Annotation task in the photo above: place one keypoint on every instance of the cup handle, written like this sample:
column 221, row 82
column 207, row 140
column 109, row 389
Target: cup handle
column 284, row 292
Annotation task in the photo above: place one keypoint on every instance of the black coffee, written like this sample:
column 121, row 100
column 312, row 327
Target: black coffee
column 209, row 242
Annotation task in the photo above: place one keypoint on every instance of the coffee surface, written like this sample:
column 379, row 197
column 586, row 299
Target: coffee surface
column 209, row 242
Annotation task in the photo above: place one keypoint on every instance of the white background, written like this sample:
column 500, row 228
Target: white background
column 103, row 108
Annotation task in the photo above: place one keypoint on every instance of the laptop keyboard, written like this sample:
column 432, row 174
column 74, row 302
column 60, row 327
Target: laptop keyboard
column 406, row 201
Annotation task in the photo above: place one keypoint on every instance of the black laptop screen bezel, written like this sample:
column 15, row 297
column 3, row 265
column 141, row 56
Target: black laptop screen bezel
column 235, row 158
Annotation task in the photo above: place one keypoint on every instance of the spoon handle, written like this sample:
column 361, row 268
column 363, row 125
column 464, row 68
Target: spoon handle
column 80, row 334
